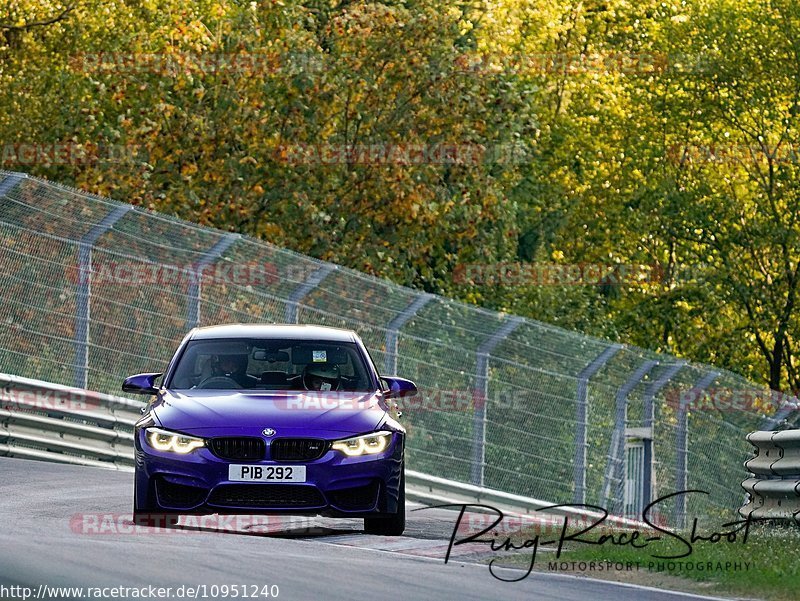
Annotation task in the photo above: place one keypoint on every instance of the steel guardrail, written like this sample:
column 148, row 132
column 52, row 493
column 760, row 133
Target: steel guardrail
column 51, row 422
column 773, row 488
column 433, row 490
column 45, row 421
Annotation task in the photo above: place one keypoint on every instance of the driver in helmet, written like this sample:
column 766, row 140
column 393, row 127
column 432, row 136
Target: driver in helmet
column 234, row 367
column 322, row 376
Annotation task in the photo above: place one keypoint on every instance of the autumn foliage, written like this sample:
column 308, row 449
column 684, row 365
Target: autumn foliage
column 410, row 139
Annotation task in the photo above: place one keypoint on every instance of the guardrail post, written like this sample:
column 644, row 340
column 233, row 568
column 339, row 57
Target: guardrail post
column 394, row 327
column 649, row 421
column 581, row 420
column 211, row 255
column 481, row 394
column 84, row 291
column 615, row 467
column 9, row 181
column 314, row 280
column 682, row 446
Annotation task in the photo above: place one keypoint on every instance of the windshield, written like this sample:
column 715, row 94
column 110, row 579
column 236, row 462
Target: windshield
column 270, row 364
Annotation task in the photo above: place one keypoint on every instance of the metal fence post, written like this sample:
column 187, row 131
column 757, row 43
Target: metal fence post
column 84, row 291
column 682, row 446
column 481, row 394
column 649, row 422
column 303, row 289
column 394, row 327
column 616, row 449
column 9, row 181
column 193, row 293
column 581, row 420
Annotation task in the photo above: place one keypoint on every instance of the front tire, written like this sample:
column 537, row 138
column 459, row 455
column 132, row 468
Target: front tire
column 390, row 524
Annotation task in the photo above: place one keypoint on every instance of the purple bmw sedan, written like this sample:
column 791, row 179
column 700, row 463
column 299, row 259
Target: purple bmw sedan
column 271, row 419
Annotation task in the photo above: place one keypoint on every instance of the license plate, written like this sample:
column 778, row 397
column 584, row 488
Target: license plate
column 267, row 473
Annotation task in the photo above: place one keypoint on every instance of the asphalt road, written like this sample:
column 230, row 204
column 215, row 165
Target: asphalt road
column 64, row 525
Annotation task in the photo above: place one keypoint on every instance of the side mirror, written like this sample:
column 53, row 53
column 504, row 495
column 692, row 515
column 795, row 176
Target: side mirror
column 398, row 387
column 141, row 384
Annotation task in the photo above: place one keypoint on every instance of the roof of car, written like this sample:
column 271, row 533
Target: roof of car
column 281, row 331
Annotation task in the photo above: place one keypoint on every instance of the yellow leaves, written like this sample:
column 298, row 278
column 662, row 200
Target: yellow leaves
column 189, row 169
column 271, row 231
column 221, row 10
column 465, row 27
column 166, row 109
column 181, row 83
column 214, row 177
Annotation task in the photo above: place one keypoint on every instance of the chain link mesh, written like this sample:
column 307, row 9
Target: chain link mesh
column 523, row 425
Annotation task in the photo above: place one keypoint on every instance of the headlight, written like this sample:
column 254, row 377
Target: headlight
column 164, row 440
column 369, row 444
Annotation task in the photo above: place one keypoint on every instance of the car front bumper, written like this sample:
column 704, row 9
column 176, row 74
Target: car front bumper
column 336, row 485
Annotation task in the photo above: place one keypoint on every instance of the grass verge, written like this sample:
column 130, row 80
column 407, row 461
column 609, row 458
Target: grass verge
column 765, row 566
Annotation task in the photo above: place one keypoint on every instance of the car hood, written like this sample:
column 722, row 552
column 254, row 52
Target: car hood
column 231, row 413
